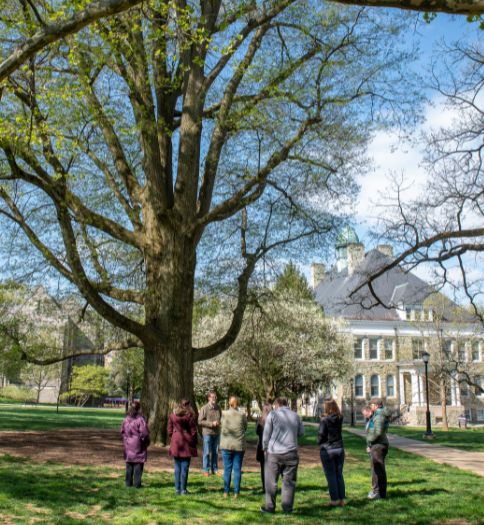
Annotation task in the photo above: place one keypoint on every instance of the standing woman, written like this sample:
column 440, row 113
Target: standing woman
column 332, row 451
column 232, row 444
column 182, row 430
column 136, row 439
column 259, row 456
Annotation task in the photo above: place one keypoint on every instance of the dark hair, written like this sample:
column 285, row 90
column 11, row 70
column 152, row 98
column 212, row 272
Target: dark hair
column 280, row 401
column 134, row 408
column 331, row 407
column 266, row 408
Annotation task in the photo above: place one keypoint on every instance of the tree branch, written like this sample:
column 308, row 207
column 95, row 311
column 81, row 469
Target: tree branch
column 53, row 32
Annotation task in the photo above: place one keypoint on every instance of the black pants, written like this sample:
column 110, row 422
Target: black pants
column 134, row 471
column 378, row 472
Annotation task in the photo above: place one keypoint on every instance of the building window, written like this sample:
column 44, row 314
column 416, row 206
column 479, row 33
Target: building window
column 461, row 353
column 374, row 386
column 359, row 386
column 390, row 386
column 358, row 347
column 464, row 387
column 373, row 348
column 447, row 348
column 418, row 347
column 388, row 349
column 478, row 388
column 480, row 414
column 475, row 351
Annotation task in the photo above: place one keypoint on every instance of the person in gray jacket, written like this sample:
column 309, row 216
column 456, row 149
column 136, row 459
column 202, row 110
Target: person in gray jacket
column 282, row 429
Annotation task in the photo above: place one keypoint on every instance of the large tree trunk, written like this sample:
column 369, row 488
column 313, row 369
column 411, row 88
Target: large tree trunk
column 168, row 377
column 168, row 369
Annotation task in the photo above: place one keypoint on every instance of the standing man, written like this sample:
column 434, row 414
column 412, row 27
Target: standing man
column 209, row 420
column 280, row 442
column 377, row 447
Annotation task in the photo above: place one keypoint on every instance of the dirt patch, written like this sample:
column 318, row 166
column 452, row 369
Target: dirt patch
column 81, row 446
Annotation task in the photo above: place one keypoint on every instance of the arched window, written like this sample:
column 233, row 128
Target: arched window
column 374, row 386
column 359, row 386
column 390, row 386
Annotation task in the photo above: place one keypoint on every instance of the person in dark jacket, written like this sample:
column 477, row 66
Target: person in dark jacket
column 259, row 455
column 377, row 447
column 182, row 430
column 332, row 451
column 136, row 439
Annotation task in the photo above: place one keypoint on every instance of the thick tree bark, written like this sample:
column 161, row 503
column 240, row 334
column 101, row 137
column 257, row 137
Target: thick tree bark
column 168, row 377
column 168, row 370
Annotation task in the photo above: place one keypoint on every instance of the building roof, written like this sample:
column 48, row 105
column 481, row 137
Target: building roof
column 395, row 288
column 347, row 236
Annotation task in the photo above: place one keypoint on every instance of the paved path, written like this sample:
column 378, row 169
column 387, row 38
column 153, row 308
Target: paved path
column 471, row 461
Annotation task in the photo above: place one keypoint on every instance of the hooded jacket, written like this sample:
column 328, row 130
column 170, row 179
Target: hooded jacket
column 182, row 430
column 377, row 427
column 136, row 439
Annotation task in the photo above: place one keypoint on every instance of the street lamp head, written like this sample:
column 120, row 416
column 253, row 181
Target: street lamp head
column 425, row 357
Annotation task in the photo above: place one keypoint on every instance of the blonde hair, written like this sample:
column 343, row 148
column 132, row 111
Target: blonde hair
column 233, row 402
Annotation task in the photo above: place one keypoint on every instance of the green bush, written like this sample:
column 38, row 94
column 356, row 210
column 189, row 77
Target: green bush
column 17, row 393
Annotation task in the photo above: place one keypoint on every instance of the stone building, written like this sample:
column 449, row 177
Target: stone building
column 389, row 339
column 61, row 324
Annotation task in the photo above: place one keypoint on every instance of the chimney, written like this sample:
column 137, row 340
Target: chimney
column 356, row 254
column 386, row 250
column 318, row 271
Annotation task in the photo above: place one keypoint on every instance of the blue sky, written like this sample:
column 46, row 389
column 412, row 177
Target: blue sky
column 394, row 158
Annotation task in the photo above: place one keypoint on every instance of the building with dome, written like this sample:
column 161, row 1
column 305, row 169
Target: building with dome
column 390, row 338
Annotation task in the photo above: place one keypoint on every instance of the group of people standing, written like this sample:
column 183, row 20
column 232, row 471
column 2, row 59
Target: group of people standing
column 279, row 429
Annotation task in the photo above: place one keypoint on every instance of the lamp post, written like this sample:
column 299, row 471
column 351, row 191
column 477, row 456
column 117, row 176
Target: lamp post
column 428, row 432
column 352, row 403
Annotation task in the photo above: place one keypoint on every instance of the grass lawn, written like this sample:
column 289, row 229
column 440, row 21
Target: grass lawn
column 420, row 492
column 471, row 439
column 44, row 417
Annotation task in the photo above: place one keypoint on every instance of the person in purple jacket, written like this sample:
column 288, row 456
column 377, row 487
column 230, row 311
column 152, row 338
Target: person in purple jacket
column 182, row 430
column 136, row 439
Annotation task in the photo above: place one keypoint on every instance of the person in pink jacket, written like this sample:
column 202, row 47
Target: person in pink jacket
column 182, row 430
column 136, row 439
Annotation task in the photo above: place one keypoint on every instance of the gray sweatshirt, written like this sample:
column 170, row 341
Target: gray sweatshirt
column 281, row 431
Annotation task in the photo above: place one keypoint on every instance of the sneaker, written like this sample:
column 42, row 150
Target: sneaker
column 177, row 492
column 185, row 493
column 226, row 494
column 268, row 511
column 206, row 474
column 374, row 495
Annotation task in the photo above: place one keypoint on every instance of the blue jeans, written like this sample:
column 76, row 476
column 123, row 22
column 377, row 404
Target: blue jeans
column 333, row 460
column 181, row 474
column 232, row 461
column 210, row 453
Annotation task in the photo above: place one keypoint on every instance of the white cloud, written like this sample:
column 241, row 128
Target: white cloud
column 395, row 160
